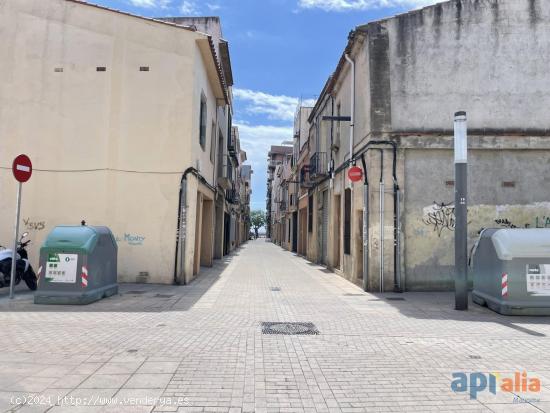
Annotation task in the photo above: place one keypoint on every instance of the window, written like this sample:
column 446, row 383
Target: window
column 338, row 129
column 310, row 214
column 230, row 142
column 347, row 221
column 202, row 119
column 213, row 142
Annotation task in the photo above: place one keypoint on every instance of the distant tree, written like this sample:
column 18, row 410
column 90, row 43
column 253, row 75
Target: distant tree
column 257, row 219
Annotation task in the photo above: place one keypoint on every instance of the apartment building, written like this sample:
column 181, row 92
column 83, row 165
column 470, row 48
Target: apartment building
column 388, row 108
column 128, row 123
column 278, row 171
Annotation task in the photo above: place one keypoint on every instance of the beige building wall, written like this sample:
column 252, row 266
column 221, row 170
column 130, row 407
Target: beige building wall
column 107, row 146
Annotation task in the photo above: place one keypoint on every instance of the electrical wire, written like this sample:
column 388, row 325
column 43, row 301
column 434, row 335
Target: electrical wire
column 102, row 170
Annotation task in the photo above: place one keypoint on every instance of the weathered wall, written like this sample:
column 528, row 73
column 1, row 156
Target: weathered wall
column 487, row 57
column 125, row 131
column 428, row 219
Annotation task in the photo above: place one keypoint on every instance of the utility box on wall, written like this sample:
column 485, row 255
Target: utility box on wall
column 511, row 269
column 78, row 265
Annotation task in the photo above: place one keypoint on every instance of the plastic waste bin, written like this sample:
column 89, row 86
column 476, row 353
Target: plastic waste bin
column 511, row 271
column 78, row 265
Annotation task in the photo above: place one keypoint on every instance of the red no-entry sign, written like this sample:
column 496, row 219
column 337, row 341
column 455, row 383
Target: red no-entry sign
column 355, row 174
column 22, row 171
column 22, row 168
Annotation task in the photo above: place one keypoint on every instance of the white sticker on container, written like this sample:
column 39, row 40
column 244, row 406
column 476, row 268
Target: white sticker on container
column 538, row 279
column 61, row 268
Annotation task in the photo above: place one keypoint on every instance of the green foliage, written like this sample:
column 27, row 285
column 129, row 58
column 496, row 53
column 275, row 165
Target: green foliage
column 257, row 219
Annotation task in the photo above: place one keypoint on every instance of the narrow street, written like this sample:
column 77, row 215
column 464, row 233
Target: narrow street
column 201, row 348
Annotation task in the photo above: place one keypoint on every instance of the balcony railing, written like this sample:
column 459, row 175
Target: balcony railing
column 282, row 206
column 318, row 165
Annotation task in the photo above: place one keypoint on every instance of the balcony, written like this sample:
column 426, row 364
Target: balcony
column 282, row 206
column 232, row 146
column 232, row 196
column 318, row 165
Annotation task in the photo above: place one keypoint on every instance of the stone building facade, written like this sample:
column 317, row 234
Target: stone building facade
column 128, row 123
column 394, row 92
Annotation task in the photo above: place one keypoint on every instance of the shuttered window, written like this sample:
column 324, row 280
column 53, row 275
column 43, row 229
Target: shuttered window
column 310, row 214
column 202, row 129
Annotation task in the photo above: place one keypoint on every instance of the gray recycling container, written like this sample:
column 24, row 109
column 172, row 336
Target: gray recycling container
column 511, row 271
column 78, row 265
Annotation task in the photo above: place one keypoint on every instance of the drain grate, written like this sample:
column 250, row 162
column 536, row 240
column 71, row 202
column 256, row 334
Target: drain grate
column 474, row 357
column 395, row 299
column 275, row 288
column 287, row 328
column 136, row 292
column 164, row 295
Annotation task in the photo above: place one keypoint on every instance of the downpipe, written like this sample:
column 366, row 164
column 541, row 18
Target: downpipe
column 382, row 190
column 365, row 226
column 352, row 122
column 182, row 223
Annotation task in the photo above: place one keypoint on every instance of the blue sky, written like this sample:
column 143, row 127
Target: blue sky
column 281, row 51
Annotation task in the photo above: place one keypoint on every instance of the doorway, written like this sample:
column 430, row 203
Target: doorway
column 295, row 231
column 226, row 233
column 336, row 232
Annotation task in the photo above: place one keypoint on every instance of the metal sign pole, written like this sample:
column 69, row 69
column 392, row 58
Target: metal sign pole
column 461, row 212
column 14, row 252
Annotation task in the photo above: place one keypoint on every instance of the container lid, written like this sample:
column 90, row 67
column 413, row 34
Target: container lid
column 74, row 237
column 522, row 243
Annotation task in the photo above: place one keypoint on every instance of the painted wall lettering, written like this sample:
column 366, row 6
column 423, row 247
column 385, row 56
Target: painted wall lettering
column 131, row 239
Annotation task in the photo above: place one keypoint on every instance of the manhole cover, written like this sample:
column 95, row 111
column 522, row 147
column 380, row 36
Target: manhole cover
column 289, row 328
column 275, row 288
column 395, row 299
column 164, row 295
column 136, row 292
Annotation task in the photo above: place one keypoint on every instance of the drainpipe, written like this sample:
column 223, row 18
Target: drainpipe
column 365, row 226
column 396, row 227
column 352, row 122
column 381, row 220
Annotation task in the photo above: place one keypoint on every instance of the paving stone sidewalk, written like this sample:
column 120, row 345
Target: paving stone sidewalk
column 201, row 348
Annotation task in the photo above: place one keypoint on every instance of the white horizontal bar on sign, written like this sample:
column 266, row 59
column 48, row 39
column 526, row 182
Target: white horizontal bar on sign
column 23, row 168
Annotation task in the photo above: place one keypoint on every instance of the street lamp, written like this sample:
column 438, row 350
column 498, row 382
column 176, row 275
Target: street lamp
column 461, row 211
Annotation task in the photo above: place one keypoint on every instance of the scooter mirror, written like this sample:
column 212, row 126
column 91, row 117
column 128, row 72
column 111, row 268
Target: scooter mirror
column 24, row 235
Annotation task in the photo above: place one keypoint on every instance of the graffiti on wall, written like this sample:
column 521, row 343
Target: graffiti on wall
column 440, row 217
column 34, row 225
column 539, row 222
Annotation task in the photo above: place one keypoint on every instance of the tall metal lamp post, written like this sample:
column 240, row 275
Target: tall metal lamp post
column 461, row 211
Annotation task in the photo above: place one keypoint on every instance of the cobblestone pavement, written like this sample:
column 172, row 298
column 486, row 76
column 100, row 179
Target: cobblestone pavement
column 201, row 348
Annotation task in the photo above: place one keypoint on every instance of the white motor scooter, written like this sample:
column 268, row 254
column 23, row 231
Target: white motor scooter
column 23, row 268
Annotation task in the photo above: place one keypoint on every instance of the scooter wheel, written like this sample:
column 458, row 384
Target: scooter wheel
column 30, row 280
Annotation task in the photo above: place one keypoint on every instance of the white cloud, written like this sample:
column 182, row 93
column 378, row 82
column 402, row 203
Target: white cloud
column 188, row 8
column 278, row 107
column 256, row 141
column 213, row 7
column 148, row 4
column 351, row 5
